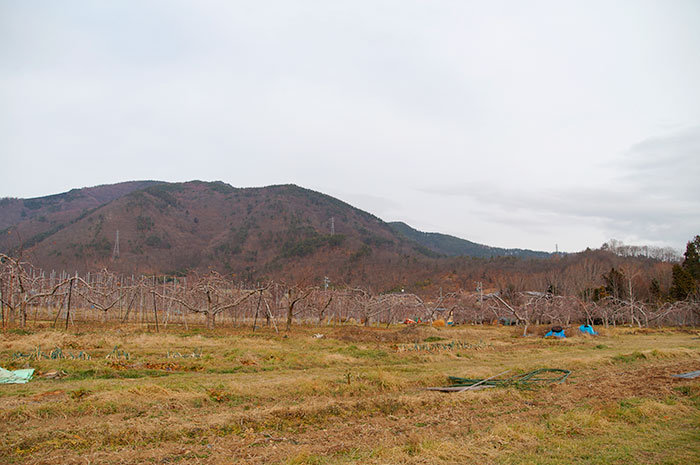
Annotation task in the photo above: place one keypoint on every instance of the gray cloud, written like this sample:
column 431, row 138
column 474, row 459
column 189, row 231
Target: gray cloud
column 533, row 107
column 666, row 166
column 652, row 196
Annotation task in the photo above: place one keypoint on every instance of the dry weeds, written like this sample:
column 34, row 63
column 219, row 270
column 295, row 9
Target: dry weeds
column 350, row 397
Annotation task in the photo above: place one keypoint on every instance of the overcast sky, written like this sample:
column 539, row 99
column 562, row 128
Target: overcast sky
column 511, row 123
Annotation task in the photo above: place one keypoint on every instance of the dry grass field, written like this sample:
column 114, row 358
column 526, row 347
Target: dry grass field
column 355, row 395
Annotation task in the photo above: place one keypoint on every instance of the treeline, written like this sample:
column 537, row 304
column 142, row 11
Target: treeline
column 667, row 254
column 594, row 287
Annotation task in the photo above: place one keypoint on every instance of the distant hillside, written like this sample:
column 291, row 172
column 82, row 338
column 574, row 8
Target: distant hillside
column 60, row 208
column 452, row 246
column 251, row 234
column 276, row 231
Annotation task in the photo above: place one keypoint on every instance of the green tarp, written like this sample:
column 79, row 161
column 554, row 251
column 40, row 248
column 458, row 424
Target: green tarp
column 15, row 377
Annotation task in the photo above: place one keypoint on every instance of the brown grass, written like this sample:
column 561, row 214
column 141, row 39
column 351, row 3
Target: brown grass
column 350, row 397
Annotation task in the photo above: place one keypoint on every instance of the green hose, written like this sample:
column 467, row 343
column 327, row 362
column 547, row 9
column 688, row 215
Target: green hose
column 521, row 379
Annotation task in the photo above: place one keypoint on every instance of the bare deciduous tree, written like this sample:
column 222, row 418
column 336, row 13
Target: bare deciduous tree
column 210, row 295
column 25, row 288
column 292, row 296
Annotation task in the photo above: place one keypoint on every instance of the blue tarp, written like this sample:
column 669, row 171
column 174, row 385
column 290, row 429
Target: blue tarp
column 552, row 333
column 588, row 329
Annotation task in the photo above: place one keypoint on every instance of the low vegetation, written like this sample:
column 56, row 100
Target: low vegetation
column 346, row 394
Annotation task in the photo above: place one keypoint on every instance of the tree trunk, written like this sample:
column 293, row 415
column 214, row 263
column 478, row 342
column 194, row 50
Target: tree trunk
column 211, row 320
column 23, row 314
column 155, row 310
column 290, row 316
column 70, row 294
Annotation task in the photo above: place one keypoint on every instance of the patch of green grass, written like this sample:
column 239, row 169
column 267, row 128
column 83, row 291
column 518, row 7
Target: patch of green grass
column 669, row 441
column 79, row 394
column 352, row 454
column 628, row 358
column 357, row 352
column 684, row 390
column 19, row 331
column 116, row 374
column 692, row 392
column 305, row 458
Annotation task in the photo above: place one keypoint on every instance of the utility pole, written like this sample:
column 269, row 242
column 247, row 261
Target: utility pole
column 115, row 252
column 332, row 226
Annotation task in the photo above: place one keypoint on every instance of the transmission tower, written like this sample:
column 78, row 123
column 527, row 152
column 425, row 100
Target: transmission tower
column 332, row 226
column 115, row 252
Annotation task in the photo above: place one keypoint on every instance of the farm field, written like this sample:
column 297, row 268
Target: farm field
column 355, row 395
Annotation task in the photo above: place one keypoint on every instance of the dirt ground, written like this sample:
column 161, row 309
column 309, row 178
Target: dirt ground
column 345, row 395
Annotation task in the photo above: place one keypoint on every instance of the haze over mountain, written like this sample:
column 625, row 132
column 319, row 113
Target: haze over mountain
column 284, row 231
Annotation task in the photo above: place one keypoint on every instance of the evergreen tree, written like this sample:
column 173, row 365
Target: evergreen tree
column 691, row 263
column 683, row 283
column 655, row 290
column 615, row 284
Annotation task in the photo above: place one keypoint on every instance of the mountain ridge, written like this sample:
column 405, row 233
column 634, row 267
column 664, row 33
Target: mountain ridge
column 175, row 228
column 453, row 246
